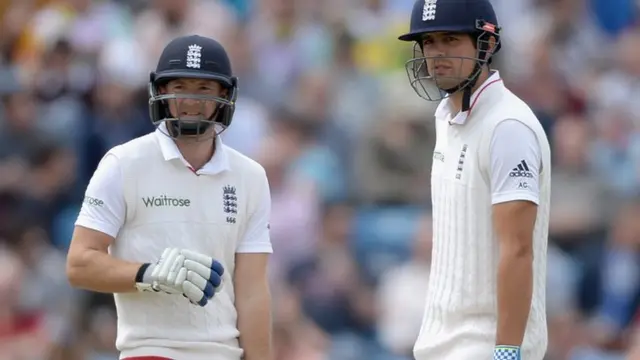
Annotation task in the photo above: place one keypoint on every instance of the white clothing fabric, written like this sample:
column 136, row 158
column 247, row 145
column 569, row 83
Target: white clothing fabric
column 147, row 197
column 477, row 164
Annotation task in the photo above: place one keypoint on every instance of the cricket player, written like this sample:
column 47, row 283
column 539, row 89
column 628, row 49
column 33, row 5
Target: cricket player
column 490, row 191
column 176, row 224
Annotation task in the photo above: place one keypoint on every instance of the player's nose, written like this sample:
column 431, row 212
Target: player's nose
column 188, row 102
column 437, row 53
column 191, row 107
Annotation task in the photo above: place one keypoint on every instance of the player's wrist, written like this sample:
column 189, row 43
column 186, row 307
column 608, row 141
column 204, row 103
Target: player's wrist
column 506, row 352
column 144, row 273
column 143, row 279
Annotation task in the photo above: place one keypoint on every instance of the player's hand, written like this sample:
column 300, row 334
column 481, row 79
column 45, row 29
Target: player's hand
column 505, row 352
column 195, row 276
column 205, row 266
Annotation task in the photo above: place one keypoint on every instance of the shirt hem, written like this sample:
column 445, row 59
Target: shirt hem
column 224, row 353
column 97, row 226
column 514, row 196
column 255, row 248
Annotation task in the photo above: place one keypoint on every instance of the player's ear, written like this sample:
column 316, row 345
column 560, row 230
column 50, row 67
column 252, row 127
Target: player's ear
column 493, row 43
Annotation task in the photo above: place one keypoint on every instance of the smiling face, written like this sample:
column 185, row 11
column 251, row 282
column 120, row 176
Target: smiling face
column 450, row 57
column 190, row 109
column 192, row 105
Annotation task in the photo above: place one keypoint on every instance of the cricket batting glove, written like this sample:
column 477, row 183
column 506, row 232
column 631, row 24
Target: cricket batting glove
column 505, row 352
column 196, row 276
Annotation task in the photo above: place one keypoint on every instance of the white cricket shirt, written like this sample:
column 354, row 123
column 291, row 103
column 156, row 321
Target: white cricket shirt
column 146, row 196
column 496, row 152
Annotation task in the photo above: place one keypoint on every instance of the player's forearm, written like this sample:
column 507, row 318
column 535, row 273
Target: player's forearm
column 96, row 271
column 515, row 287
column 254, row 323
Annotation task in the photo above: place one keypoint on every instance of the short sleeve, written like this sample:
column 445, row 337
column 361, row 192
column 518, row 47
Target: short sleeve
column 516, row 163
column 104, row 207
column 256, row 237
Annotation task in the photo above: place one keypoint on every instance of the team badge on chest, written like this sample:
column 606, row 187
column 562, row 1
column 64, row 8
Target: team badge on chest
column 230, row 203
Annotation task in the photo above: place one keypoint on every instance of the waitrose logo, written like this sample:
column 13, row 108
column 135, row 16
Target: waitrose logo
column 164, row 200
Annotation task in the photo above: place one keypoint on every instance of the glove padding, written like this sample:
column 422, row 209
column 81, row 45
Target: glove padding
column 196, row 276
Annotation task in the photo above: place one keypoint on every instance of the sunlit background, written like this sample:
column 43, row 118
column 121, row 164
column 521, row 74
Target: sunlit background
column 326, row 108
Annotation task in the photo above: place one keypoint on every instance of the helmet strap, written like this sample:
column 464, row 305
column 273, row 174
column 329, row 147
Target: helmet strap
column 467, row 85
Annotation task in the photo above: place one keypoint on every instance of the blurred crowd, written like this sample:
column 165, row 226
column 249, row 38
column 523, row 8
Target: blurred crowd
column 326, row 108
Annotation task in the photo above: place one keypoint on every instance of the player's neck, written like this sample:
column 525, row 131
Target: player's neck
column 456, row 99
column 198, row 153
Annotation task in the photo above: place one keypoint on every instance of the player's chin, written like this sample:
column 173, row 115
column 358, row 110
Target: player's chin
column 446, row 82
column 194, row 134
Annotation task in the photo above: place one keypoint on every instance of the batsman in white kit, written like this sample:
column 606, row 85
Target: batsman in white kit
column 176, row 224
column 490, row 186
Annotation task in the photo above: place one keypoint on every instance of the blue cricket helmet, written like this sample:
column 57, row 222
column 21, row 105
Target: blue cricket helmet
column 193, row 57
column 474, row 17
column 468, row 16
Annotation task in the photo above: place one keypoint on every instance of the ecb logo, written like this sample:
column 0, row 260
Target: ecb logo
column 230, row 203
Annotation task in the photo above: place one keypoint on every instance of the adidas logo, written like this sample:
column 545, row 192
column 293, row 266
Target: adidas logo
column 522, row 170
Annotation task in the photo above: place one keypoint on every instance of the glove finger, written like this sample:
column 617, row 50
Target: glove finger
column 208, row 274
column 220, row 285
column 200, row 269
column 209, row 290
column 174, row 270
column 194, row 294
column 215, row 279
column 201, row 283
column 208, row 261
column 181, row 276
column 217, row 267
column 167, row 261
column 198, row 257
column 159, row 265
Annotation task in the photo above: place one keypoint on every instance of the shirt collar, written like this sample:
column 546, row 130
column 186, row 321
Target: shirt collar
column 443, row 111
column 218, row 163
